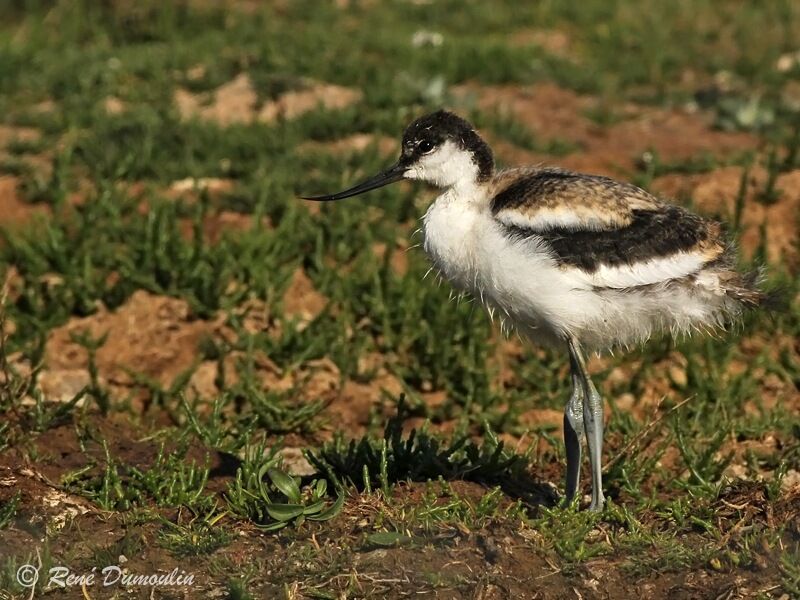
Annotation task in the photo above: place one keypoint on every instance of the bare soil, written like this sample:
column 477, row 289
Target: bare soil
column 13, row 207
column 551, row 112
column 238, row 102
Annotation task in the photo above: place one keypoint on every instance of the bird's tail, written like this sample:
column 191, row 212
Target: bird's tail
column 748, row 289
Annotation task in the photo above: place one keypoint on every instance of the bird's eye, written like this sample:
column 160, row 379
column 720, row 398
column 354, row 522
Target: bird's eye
column 425, row 146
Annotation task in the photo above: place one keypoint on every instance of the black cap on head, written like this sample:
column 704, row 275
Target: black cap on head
column 430, row 131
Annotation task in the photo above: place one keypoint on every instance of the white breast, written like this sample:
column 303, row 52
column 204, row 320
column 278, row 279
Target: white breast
column 451, row 240
column 516, row 278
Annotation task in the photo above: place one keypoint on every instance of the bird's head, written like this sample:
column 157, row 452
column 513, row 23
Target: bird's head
column 441, row 149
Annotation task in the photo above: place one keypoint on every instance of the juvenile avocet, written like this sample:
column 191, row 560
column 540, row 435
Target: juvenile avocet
column 569, row 259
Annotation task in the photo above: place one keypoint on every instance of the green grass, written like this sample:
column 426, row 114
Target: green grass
column 197, row 537
column 169, row 481
column 8, row 510
column 419, row 456
column 384, row 488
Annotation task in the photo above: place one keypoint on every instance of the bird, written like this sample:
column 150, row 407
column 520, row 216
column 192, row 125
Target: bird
column 571, row 260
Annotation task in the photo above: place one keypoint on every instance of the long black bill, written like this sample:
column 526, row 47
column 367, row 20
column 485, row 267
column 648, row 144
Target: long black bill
column 390, row 175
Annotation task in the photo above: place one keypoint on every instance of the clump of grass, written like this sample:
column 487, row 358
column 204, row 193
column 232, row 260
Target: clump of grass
column 42, row 560
column 237, row 590
column 44, row 415
column 5, row 437
column 216, row 429
column 8, row 509
column 371, row 463
column 129, row 546
column 738, row 112
column 168, row 482
column 661, row 552
column 770, row 195
column 790, row 571
column 441, row 506
column 705, row 463
column 201, row 536
column 567, row 532
column 269, row 410
column 227, row 420
column 14, row 386
column 95, row 389
column 651, row 165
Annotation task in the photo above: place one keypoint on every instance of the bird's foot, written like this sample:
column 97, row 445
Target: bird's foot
column 597, row 504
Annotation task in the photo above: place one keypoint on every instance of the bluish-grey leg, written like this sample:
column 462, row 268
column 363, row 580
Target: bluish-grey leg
column 573, row 437
column 592, row 423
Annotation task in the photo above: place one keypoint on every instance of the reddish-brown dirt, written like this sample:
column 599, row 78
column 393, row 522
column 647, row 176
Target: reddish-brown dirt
column 551, row 112
column 555, row 42
column 152, row 335
column 238, row 102
column 114, row 106
column 15, row 210
column 10, row 134
column 301, row 301
column 156, row 337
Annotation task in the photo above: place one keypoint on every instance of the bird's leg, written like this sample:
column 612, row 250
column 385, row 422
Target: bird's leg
column 573, row 434
column 592, row 422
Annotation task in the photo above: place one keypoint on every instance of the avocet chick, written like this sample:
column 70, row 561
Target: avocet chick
column 577, row 261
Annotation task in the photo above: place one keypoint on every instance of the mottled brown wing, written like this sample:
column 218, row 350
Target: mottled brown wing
column 589, row 221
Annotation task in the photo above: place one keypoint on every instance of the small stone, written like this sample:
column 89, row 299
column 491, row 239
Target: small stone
column 114, row 106
column 787, row 62
column 790, row 481
column 678, row 376
column 625, row 401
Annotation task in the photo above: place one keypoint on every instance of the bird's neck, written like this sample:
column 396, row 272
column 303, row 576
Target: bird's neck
column 469, row 191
